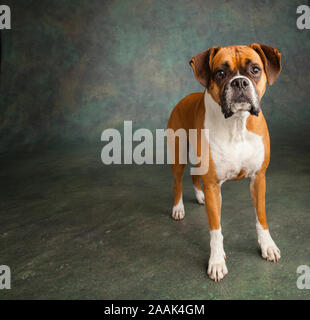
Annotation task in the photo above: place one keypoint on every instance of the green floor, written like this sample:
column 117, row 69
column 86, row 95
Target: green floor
column 72, row 228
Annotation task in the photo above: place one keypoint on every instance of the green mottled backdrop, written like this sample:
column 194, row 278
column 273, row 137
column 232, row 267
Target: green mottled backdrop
column 72, row 68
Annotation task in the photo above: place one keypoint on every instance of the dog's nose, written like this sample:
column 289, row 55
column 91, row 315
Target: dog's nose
column 240, row 83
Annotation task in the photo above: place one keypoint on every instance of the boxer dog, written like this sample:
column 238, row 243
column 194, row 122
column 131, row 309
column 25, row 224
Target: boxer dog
column 238, row 142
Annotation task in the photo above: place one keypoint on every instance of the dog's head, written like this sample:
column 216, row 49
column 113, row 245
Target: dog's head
column 236, row 76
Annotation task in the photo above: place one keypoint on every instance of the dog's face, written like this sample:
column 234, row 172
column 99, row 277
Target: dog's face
column 236, row 76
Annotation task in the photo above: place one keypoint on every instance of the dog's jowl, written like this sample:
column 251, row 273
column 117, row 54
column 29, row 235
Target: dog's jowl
column 235, row 80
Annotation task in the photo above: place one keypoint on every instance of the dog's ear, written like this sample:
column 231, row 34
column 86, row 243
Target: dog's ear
column 271, row 58
column 201, row 65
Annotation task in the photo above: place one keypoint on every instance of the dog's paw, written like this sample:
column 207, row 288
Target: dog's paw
column 200, row 196
column 178, row 211
column 269, row 249
column 217, row 269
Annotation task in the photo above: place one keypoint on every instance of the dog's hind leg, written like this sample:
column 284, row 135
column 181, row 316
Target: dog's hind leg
column 178, row 211
column 198, row 191
column 178, row 147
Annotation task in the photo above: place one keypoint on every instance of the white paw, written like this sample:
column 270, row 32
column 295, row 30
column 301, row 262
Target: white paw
column 269, row 250
column 217, row 269
column 200, row 196
column 178, row 211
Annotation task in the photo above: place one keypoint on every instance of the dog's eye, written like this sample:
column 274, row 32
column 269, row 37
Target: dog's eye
column 220, row 74
column 255, row 70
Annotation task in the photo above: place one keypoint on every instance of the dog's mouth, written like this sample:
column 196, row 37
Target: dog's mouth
column 232, row 103
column 242, row 99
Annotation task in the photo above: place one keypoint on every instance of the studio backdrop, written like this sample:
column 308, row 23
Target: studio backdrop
column 72, row 68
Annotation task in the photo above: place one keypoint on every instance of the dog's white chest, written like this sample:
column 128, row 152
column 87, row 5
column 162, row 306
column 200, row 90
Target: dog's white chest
column 233, row 147
column 230, row 157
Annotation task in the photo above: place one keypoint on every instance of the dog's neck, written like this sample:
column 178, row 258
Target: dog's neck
column 232, row 129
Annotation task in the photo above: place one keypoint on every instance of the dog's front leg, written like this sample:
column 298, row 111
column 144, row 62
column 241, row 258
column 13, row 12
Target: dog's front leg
column 217, row 267
column 258, row 189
